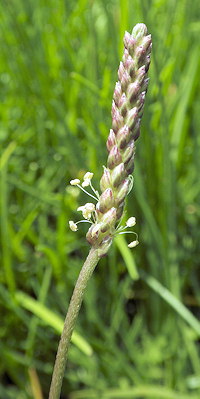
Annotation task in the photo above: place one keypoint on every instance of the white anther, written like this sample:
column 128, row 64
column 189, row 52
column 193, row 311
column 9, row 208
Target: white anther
column 86, row 183
column 81, row 208
column 86, row 214
column 90, row 206
column 133, row 244
column 88, row 176
column 75, row 182
column 131, row 222
column 73, row 225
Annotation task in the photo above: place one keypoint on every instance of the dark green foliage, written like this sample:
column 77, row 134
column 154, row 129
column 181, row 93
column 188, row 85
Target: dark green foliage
column 58, row 67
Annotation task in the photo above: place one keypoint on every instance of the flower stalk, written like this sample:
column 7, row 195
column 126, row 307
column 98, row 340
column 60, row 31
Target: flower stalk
column 116, row 181
column 70, row 321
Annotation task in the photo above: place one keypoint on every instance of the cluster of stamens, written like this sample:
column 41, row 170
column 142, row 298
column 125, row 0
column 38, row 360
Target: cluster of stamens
column 90, row 212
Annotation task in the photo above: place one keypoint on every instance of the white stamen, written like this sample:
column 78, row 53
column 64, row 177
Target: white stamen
column 90, row 206
column 86, row 214
column 88, row 176
column 94, row 191
column 133, row 244
column 74, row 182
column 86, row 183
column 81, row 208
column 87, row 210
column 131, row 222
column 73, row 225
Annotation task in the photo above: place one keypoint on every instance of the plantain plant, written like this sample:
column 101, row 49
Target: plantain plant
column 105, row 215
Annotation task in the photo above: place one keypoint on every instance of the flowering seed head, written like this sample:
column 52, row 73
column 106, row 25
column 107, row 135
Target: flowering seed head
column 127, row 108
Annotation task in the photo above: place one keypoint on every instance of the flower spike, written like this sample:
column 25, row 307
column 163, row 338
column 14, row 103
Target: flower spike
column 127, row 109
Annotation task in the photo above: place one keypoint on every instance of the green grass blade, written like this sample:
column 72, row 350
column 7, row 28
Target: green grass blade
column 129, row 393
column 191, row 75
column 51, row 319
column 174, row 302
column 127, row 256
column 7, row 153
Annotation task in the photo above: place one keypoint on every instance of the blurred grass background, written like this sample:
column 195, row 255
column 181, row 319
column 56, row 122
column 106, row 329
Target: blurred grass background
column 138, row 332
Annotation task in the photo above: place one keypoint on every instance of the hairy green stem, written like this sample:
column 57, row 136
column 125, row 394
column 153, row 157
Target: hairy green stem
column 70, row 320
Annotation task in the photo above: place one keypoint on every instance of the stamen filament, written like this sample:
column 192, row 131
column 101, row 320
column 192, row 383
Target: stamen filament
column 86, row 192
column 120, row 228
column 129, row 232
column 120, row 222
column 94, row 191
column 84, row 221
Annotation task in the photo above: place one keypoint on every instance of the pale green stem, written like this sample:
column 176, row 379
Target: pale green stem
column 70, row 320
